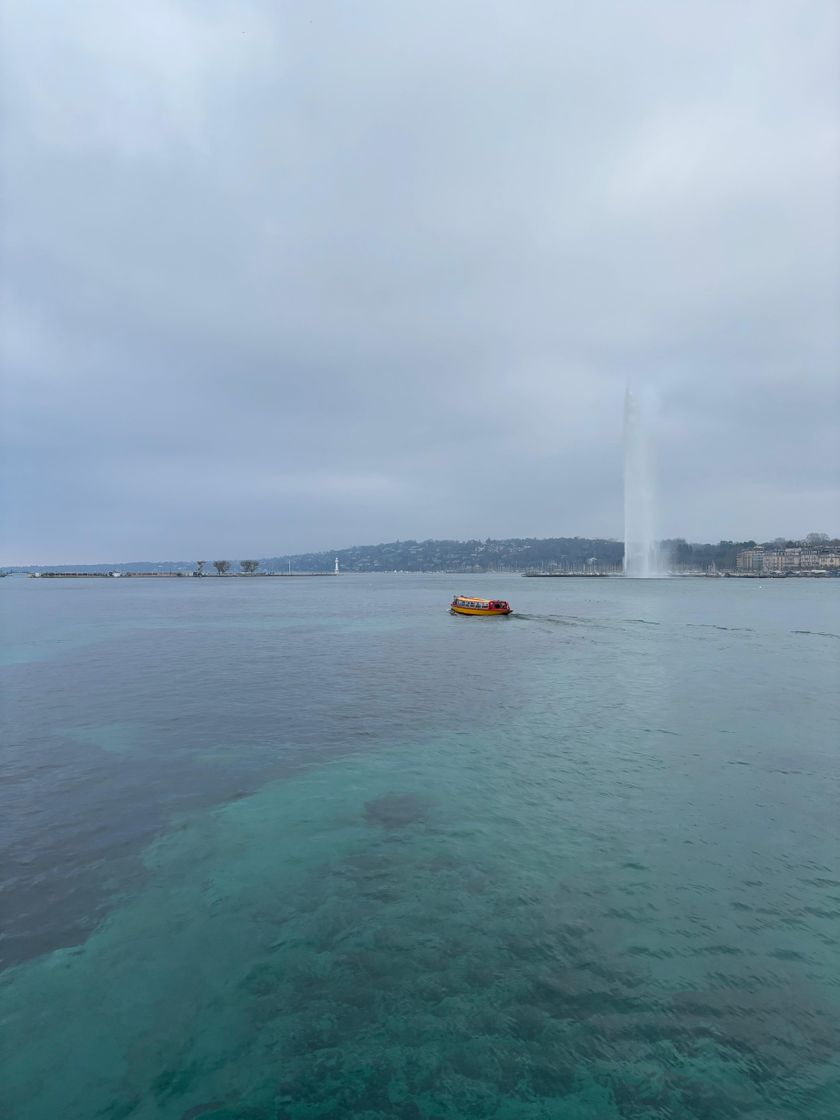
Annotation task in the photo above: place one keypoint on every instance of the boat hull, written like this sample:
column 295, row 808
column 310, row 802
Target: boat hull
column 480, row 611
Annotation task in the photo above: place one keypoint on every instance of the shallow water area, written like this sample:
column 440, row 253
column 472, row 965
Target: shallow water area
column 317, row 848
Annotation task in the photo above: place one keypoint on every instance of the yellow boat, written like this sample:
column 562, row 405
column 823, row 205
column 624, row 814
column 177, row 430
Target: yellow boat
column 467, row 604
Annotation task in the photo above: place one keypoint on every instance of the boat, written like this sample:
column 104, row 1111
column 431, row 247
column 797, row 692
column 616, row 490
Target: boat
column 469, row 604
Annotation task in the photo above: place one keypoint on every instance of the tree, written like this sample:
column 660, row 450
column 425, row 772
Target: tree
column 200, row 566
column 817, row 538
column 249, row 566
column 221, row 566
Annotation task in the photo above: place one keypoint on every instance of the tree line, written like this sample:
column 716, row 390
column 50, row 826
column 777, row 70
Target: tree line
column 223, row 567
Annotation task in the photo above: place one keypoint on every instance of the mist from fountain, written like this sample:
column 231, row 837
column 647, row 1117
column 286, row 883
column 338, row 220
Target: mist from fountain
column 642, row 554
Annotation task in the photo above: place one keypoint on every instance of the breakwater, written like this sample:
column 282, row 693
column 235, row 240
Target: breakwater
column 176, row 575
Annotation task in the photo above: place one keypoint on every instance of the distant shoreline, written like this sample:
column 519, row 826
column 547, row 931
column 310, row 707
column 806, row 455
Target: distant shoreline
column 794, row 575
column 564, row 556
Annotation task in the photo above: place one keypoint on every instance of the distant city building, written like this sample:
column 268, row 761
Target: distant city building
column 750, row 560
column 772, row 561
column 792, row 558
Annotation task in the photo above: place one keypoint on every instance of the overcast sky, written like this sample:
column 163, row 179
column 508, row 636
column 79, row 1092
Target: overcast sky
column 280, row 277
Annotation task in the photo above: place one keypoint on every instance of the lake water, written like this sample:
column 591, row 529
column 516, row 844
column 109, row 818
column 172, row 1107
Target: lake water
column 310, row 848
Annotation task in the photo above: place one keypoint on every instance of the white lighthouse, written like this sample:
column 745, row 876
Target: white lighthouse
column 336, row 565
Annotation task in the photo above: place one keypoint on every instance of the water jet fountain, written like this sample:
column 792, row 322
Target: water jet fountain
column 642, row 556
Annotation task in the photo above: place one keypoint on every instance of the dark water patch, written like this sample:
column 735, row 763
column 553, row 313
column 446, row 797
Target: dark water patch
column 394, row 811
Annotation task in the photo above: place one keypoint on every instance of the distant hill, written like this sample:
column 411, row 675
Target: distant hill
column 515, row 554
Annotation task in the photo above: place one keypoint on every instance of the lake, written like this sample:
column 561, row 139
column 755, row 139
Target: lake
column 299, row 848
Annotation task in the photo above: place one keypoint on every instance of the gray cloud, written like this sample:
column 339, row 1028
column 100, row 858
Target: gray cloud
column 287, row 279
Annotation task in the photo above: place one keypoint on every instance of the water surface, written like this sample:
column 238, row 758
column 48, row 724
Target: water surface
column 316, row 848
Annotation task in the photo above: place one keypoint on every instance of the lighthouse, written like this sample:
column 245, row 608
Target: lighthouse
column 336, row 565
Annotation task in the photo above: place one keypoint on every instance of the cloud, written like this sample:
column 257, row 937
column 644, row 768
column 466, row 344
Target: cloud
column 281, row 279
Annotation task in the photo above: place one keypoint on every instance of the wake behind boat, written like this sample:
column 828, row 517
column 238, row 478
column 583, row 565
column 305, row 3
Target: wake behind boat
column 467, row 604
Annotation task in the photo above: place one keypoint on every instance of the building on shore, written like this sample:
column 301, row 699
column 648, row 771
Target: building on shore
column 796, row 559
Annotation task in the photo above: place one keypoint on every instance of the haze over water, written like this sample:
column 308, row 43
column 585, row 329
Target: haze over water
column 315, row 848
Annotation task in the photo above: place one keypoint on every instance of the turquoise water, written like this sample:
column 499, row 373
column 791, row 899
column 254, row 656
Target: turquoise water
column 293, row 849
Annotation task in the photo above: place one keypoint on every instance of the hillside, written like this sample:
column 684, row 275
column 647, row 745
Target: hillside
column 452, row 555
